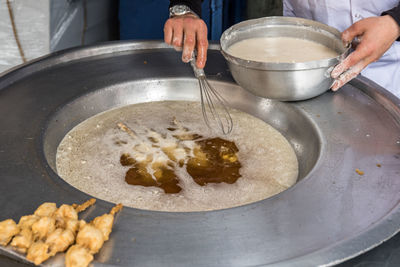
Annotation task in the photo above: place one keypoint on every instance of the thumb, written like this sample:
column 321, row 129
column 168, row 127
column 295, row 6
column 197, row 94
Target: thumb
column 353, row 31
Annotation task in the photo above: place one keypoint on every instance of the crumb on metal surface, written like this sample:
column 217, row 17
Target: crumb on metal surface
column 359, row 172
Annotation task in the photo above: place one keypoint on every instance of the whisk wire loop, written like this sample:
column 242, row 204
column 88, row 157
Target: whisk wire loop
column 213, row 105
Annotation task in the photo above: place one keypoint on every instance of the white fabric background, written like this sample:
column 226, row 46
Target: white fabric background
column 32, row 23
column 341, row 14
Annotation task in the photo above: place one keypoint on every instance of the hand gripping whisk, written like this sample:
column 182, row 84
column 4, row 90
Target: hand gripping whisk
column 213, row 105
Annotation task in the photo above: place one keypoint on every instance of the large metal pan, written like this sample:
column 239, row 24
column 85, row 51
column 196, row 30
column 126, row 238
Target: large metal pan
column 330, row 215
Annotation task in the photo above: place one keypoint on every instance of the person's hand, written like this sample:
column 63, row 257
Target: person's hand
column 190, row 32
column 375, row 35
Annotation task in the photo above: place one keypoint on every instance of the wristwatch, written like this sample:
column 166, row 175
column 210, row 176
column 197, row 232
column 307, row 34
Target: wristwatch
column 179, row 10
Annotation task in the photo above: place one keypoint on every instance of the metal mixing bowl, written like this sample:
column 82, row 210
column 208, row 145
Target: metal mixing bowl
column 283, row 81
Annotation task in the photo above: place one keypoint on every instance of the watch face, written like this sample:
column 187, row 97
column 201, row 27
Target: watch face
column 180, row 10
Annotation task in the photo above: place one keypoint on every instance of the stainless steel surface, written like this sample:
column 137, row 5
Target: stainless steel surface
column 283, row 81
column 330, row 215
column 213, row 105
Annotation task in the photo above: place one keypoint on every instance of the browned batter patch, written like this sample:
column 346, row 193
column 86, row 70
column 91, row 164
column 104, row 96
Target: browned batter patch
column 213, row 161
column 220, row 164
column 138, row 175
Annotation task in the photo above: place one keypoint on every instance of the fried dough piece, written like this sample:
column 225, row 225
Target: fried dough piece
column 72, row 225
column 63, row 214
column 43, row 227
column 78, row 256
column 60, row 240
column 105, row 222
column 116, row 208
column 23, row 240
column 27, row 221
column 38, row 252
column 90, row 237
column 67, row 219
column 47, row 209
column 84, row 206
column 8, row 229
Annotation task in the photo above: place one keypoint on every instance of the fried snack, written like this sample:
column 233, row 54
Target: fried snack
column 23, row 240
column 78, row 256
column 27, row 221
column 62, row 235
column 8, row 229
column 72, row 225
column 47, row 209
column 38, row 252
column 60, row 240
column 84, row 206
column 105, row 222
column 43, row 227
column 50, row 230
column 90, row 239
column 93, row 235
column 63, row 214
column 116, row 208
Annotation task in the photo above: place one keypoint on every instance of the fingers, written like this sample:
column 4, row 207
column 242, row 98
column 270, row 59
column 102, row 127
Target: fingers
column 168, row 31
column 188, row 32
column 202, row 46
column 201, row 55
column 177, row 37
column 376, row 35
column 349, row 69
column 361, row 53
column 348, row 75
column 173, row 34
column 345, row 78
column 188, row 45
column 357, row 29
column 353, row 64
column 345, row 68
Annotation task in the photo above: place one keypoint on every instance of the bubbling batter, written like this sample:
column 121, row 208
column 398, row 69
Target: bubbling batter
column 96, row 157
column 280, row 50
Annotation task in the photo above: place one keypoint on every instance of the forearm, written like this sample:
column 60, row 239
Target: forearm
column 194, row 5
column 395, row 14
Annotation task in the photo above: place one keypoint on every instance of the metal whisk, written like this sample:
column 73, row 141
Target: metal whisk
column 212, row 103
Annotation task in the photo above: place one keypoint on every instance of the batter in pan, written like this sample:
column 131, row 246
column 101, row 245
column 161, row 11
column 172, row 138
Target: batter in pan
column 160, row 156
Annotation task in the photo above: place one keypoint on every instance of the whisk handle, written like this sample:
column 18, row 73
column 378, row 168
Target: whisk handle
column 197, row 72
